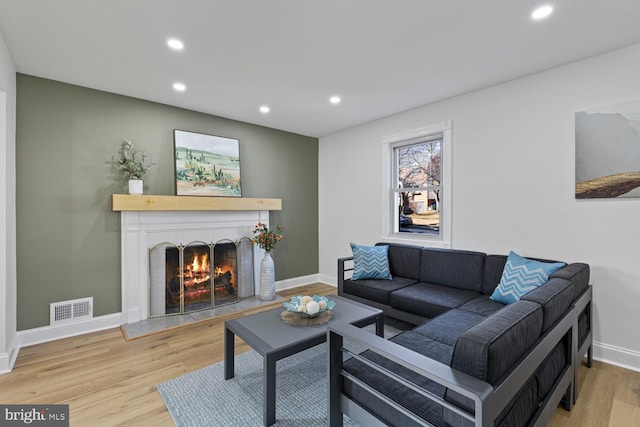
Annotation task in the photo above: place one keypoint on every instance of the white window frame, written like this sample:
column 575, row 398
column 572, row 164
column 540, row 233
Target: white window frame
column 389, row 143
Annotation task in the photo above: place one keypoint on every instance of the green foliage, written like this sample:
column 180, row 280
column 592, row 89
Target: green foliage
column 265, row 238
column 131, row 162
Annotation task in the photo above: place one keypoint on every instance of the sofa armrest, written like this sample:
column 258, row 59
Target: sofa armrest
column 478, row 391
column 342, row 269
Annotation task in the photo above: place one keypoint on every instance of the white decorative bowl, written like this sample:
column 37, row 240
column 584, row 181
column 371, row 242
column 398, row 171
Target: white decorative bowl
column 307, row 306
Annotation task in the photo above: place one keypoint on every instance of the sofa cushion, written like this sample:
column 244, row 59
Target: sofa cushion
column 404, row 260
column 482, row 305
column 431, row 348
column 554, row 297
column 489, row 349
column 521, row 409
column 518, row 411
column 447, row 327
column 376, row 290
column 550, row 368
column 370, row 262
column 578, row 273
column 583, row 326
column 522, row 275
column 453, row 268
column 428, row 299
column 493, row 268
column 403, row 395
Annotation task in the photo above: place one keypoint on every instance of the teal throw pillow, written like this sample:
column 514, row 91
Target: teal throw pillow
column 522, row 275
column 370, row 262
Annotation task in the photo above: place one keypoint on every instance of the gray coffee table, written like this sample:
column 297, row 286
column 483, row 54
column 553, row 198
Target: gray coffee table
column 274, row 339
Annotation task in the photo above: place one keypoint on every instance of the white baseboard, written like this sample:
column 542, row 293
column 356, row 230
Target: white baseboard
column 618, row 356
column 5, row 366
column 299, row 281
column 52, row 333
column 327, row 280
column 8, row 359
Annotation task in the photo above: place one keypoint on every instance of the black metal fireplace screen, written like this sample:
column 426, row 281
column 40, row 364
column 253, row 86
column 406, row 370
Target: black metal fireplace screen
column 199, row 275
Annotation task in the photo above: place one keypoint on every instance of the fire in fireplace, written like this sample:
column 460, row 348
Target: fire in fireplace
column 197, row 276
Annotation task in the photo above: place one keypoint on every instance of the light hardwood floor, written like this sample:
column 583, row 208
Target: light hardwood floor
column 108, row 381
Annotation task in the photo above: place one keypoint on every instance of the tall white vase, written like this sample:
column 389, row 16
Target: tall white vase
column 267, row 278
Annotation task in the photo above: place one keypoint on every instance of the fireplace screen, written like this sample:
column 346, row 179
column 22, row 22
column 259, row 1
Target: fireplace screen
column 199, row 276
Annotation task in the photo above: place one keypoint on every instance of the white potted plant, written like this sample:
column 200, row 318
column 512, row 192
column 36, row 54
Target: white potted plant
column 133, row 164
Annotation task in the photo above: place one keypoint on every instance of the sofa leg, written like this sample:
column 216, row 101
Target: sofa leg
column 590, row 356
column 568, row 398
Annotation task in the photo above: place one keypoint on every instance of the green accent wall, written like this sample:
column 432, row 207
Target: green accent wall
column 68, row 239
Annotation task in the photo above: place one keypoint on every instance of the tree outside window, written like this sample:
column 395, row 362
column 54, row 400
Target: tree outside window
column 418, row 195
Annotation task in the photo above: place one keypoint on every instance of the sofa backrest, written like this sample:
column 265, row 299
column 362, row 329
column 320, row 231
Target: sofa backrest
column 404, row 260
column 555, row 297
column 493, row 266
column 578, row 273
column 467, row 270
column 490, row 348
column 451, row 267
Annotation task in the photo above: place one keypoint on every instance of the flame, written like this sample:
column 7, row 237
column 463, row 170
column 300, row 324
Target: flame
column 200, row 263
column 196, row 274
column 198, row 271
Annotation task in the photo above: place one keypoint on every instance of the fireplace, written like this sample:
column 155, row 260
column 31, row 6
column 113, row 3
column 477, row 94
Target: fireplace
column 146, row 237
column 199, row 276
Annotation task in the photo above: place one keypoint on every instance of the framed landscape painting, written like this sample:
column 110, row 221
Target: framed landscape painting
column 206, row 165
column 608, row 151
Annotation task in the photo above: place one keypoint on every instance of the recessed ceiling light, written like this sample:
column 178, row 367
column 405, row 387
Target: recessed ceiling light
column 180, row 87
column 175, row 44
column 335, row 99
column 542, row 12
column 264, row 109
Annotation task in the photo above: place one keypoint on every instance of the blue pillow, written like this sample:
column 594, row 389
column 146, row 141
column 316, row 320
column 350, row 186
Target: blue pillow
column 370, row 262
column 520, row 276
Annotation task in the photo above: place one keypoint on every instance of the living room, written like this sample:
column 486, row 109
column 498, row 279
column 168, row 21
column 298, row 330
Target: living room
column 512, row 181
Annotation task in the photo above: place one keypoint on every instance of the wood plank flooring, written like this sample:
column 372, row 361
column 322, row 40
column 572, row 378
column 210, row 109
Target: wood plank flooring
column 108, row 381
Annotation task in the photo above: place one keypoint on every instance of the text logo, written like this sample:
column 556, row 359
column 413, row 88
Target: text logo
column 34, row 415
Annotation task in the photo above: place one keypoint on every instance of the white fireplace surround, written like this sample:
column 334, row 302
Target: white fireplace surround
column 141, row 230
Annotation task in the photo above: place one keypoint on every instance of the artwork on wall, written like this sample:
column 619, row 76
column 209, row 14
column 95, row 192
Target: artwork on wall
column 206, row 165
column 608, row 151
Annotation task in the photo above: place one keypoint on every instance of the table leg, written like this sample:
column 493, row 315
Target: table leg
column 269, row 390
column 229, row 362
column 380, row 326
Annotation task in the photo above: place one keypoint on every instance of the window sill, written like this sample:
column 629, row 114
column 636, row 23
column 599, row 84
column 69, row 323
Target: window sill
column 421, row 240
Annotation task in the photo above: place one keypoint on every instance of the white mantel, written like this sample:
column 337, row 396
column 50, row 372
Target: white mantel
column 149, row 220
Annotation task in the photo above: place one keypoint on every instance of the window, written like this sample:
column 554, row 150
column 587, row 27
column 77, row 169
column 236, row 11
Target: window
column 418, row 184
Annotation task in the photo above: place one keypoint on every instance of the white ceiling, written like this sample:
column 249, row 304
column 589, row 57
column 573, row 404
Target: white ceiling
column 380, row 56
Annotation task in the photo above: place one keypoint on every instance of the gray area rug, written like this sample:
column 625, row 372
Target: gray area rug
column 204, row 398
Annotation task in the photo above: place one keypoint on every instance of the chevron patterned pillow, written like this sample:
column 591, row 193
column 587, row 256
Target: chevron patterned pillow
column 370, row 262
column 520, row 276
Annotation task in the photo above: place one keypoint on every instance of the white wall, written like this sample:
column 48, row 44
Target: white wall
column 8, row 341
column 513, row 185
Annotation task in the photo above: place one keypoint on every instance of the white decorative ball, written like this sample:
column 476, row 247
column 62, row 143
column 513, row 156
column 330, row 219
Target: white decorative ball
column 312, row 307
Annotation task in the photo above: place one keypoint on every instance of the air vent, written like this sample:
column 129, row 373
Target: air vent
column 70, row 311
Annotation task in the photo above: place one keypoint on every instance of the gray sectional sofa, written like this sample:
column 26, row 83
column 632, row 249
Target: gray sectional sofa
column 469, row 360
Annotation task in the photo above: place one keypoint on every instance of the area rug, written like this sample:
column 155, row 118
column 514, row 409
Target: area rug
column 204, row 398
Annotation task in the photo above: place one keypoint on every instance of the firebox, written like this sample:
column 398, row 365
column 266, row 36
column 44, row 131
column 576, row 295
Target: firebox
column 199, row 276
